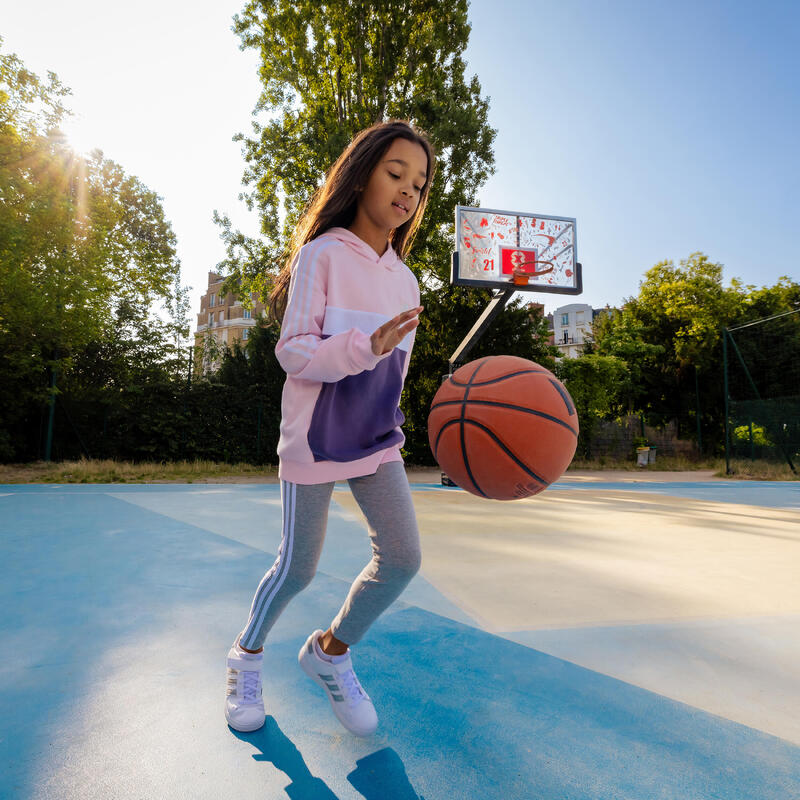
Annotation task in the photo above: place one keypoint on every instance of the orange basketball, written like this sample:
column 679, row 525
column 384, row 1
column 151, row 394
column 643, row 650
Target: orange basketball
column 503, row 427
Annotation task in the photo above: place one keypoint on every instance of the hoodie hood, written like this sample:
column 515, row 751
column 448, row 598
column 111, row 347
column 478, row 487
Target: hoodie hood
column 389, row 259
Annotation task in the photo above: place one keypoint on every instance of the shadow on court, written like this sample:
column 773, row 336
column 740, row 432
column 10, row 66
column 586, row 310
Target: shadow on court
column 377, row 776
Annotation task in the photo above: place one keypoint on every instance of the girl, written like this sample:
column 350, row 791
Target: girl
column 348, row 322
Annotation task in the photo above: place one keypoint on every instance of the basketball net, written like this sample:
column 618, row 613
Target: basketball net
column 521, row 279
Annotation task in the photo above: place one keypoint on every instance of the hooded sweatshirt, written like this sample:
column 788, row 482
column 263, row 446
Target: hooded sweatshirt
column 340, row 414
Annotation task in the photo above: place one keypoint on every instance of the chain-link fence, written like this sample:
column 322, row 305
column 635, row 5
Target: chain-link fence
column 762, row 390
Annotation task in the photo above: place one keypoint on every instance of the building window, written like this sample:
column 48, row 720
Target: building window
column 211, row 320
column 565, row 319
column 212, row 300
column 246, row 314
column 566, row 337
column 245, row 332
column 579, row 317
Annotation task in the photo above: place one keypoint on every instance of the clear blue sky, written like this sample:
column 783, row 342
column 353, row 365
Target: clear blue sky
column 663, row 128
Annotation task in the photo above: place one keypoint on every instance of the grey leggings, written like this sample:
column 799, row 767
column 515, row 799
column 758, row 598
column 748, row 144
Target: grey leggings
column 385, row 499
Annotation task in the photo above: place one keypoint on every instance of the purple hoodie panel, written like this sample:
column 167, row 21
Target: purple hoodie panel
column 359, row 415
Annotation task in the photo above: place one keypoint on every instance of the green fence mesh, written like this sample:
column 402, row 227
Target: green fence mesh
column 762, row 375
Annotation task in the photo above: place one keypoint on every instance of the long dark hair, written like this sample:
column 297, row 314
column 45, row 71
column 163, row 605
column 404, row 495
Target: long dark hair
column 334, row 203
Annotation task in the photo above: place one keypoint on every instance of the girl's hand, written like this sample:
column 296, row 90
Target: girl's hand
column 391, row 333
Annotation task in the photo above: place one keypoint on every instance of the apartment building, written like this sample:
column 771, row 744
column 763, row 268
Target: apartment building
column 223, row 318
column 572, row 327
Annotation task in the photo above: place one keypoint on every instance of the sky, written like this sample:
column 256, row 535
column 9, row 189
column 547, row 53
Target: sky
column 664, row 129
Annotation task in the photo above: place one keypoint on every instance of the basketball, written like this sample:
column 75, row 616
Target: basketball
column 503, row 427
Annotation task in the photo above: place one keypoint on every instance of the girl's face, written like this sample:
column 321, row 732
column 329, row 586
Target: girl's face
column 392, row 193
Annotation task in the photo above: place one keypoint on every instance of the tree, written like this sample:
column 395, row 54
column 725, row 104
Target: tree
column 81, row 243
column 621, row 335
column 28, row 106
column 687, row 305
column 594, row 383
column 329, row 70
column 670, row 336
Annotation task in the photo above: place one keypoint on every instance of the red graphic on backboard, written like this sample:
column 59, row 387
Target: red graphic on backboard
column 522, row 258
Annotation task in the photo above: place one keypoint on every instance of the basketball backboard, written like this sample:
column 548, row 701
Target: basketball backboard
column 503, row 249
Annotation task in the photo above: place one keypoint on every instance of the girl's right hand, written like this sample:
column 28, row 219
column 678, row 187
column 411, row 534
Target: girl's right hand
column 391, row 333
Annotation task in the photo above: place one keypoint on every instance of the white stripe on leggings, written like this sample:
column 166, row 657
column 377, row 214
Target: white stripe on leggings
column 289, row 489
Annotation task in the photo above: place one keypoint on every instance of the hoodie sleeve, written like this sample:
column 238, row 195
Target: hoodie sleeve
column 301, row 350
column 413, row 336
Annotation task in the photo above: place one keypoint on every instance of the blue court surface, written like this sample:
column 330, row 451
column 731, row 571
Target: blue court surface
column 120, row 603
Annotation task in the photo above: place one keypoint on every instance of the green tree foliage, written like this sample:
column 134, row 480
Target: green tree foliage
column 596, row 385
column 28, row 105
column 622, row 336
column 85, row 253
column 329, row 70
column 687, row 306
column 669, row 335
column 770, row 349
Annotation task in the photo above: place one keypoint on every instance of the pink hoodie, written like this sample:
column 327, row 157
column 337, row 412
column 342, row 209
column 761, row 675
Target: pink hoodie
column 340, row 415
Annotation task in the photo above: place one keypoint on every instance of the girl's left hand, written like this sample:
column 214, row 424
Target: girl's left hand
column 391, row 333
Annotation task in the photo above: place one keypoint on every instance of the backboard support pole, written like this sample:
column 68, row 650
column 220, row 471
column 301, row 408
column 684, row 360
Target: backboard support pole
column 496, row 305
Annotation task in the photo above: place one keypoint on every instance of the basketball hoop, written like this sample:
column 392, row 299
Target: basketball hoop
column 520, row 278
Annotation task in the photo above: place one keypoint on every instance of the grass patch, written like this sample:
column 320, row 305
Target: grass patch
column 662, row 464
column 740, row 470
column 110, row 471
column 760, row 470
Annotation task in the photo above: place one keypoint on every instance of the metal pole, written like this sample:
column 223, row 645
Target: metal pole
column 258, row 433
column 186, row 399
column 49, row 445
column 697, row 411
column 725, row 380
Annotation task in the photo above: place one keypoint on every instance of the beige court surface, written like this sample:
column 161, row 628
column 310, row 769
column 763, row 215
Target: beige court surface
column 695, row 599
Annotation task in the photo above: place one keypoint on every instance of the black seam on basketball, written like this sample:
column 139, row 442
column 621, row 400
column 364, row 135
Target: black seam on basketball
column 564, row 396
column 501, row 378
column 439, row 436
column 498, row 404
column 497, row 441
column 463, row 440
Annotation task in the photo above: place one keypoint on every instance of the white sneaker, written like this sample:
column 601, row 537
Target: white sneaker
column 244, row 706
column 349, row 701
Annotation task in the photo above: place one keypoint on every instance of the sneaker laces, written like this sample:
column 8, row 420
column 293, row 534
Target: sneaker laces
column 251, row 685
column 353, row 687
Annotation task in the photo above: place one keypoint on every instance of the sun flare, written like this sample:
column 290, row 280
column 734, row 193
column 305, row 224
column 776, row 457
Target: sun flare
column 80, row 136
